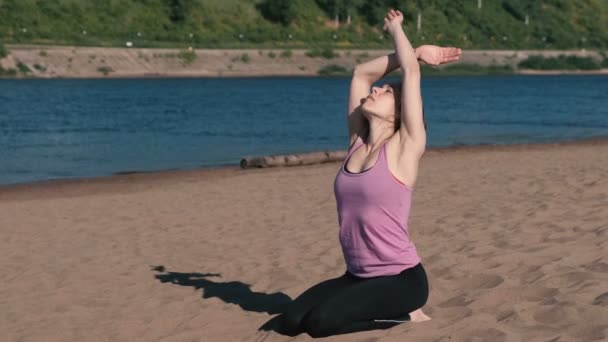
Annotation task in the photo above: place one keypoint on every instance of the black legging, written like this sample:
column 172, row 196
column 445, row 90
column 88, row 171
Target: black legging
column 349, row 304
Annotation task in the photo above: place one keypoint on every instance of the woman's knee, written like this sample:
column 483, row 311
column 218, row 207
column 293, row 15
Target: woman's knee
column 420, row 297
column 291, row 323
column 318, row 323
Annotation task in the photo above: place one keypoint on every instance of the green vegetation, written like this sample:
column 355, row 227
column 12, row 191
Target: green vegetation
column 322, row 52
column 449, row 70
column 8, row 72
column 334, row 70
column 243, row 58
column 361, row 57
column 467, row 69
column 187, row 56
column 505, row 24
column 105, row 70
column 3, row 50
column 286, row 54
column 39, row 67
column 560, row 63
column 23, row 68
column 280, row 11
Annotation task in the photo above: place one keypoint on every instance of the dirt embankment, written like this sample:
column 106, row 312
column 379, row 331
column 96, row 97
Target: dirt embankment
column 89, row 62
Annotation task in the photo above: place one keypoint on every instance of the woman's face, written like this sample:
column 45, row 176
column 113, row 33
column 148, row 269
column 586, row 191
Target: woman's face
column 380, row 102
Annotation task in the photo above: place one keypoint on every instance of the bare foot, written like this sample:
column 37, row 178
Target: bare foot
column 419, row 316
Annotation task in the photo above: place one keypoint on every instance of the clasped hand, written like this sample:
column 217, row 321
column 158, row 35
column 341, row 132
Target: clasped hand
column 428, row 54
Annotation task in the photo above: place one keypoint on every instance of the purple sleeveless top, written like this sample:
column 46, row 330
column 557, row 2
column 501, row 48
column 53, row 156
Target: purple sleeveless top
column 373, row 211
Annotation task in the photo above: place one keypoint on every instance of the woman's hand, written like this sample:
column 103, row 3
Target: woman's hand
column 436, row 55
column 392, row 21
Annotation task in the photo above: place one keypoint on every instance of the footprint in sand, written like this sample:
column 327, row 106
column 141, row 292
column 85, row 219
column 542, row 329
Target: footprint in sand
column 483, row 281
column 529, row 274
column 597, row 266
column 449, row 316
column 551, row 315
column 568, row 280
column 509, row 294
column 601, row 300
column 555, row 339
column 487, row 334
column 506, row 316
column 534, row 294
column 267, row 336
column 460, row 300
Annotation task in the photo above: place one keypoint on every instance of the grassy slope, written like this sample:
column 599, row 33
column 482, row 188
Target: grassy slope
column 555, row 24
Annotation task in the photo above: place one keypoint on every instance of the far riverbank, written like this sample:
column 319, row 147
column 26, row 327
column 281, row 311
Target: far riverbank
column 24, row 61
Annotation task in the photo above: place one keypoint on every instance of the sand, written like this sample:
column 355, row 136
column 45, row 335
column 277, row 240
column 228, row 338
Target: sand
column 513, row 239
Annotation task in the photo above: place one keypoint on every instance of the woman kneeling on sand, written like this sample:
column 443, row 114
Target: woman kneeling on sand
column 385, row 283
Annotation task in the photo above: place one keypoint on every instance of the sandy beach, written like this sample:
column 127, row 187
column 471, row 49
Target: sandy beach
column 513, row 239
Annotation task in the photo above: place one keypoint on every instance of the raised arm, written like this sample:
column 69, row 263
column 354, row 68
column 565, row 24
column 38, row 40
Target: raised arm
column 412, row 130
column 365, row 74
column 377, row 68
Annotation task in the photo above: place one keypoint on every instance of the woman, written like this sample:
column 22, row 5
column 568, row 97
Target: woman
column 385, row 282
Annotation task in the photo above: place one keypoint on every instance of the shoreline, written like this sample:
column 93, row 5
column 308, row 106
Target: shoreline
column 599, row 72
column 134, row 179
column 42, row 61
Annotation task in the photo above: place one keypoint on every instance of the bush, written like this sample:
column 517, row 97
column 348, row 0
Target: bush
column 3, row 50
column 8, row 72
column 327, row 53
column 286, row 54
column 278, row 11
column 105, row 70
column 271, row 54
column 178, row 10
column 561, row 62
column 187, row 56
column 467, row 69
column 39, row 67
column 245, row 58
column 333, row 70
column 554, row 24
column 23, row 68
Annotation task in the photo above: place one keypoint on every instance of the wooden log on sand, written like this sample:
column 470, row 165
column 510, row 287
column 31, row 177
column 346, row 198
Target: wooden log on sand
column 293, row 159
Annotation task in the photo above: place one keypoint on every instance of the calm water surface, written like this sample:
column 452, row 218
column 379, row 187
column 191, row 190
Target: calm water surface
column 53, row 129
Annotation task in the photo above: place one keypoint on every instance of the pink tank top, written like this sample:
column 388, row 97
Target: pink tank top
column 373, row 212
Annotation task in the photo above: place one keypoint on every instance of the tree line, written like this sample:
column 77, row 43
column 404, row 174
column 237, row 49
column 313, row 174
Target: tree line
column 509, row 24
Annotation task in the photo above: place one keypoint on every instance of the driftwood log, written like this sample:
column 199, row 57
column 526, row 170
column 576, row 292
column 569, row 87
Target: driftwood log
column 294, row 159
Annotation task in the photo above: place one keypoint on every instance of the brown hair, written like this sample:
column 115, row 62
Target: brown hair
column 397, row 93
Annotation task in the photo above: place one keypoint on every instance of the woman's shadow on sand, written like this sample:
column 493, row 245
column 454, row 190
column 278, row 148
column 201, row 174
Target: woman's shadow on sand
column 234, row 292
